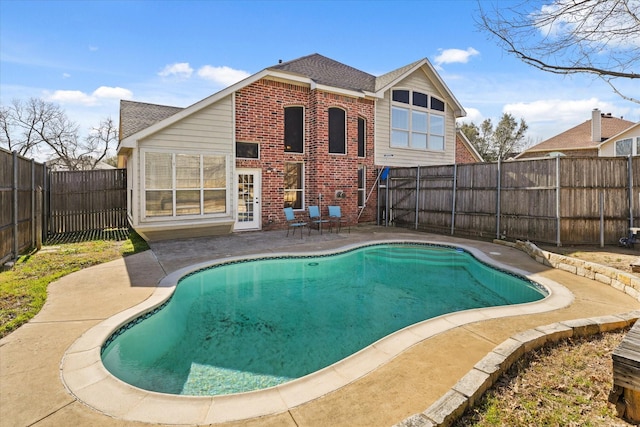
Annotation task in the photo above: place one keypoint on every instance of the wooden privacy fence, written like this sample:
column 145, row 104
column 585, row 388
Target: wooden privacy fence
column 37, row 203
column 87, row 200
column 22, row 183
column 562, row 200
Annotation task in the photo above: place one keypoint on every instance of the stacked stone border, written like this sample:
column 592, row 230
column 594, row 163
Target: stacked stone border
column 624, row 282
column 468, row 391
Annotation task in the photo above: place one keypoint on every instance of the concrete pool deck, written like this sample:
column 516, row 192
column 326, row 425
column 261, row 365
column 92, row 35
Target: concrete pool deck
column 33, row 393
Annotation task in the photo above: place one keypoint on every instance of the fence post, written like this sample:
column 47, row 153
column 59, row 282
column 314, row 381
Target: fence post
column 630, row 180
column 33, row 203
column 453, row 202
column 417, row 196
column 498, row 189
column 558, row 242
column 16, row 243
column 602, row 219
column 46, row 212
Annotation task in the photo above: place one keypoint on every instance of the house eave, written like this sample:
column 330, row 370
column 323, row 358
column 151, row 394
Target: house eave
column 458, row 109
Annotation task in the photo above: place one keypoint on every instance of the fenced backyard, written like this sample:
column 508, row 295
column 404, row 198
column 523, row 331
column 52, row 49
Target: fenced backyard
column 562, row 200
column 37, row 204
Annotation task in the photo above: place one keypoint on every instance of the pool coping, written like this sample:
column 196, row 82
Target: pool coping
column 86, row 378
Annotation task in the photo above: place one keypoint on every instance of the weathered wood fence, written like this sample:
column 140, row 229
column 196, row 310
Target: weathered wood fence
column 37, row 203
column 562, row 200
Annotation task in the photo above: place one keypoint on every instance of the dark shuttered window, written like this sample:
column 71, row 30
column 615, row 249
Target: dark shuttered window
column 337, row 131
column 294, row 129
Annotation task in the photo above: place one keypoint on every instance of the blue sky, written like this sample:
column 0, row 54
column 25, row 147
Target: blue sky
column 87, row 55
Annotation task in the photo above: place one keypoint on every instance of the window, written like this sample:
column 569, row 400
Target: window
column 361, row 185
column 293, row 186
column 337, row 131
column 247, row 150
column 626, row 147
column 184, row 184
column 413, row 124
column 362, row 129
column 294, row 129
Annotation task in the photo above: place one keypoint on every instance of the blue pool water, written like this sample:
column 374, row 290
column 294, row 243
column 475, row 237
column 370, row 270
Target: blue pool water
column 249, row 325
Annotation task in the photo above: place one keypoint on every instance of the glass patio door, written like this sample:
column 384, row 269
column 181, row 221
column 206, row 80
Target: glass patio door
column 248, row 199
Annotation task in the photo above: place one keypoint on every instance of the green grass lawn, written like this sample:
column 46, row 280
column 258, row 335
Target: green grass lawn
column 23, row 290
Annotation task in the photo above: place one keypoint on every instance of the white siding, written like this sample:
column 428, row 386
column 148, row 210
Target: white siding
column 385, row 155
column 210, row 129
column 608, row 149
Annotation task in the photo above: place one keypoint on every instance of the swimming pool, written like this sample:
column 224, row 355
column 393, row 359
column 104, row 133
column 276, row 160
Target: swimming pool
column 251, row 324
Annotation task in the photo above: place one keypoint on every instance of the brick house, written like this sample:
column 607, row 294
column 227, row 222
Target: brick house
column 311, row 131
column 603, row 135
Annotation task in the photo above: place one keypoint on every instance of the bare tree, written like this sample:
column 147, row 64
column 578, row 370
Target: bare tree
column 36, row 126
column 597, row 37
column 100, row 141
column 499, row 143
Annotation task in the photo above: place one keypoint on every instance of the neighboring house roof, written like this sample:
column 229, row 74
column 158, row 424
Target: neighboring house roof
column 135, row 116
column 315, row 70
column 580, row 137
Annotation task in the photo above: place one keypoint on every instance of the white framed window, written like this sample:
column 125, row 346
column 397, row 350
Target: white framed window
column 294, row 185
column 625, row 147
column 415, row 122
column 184, row 184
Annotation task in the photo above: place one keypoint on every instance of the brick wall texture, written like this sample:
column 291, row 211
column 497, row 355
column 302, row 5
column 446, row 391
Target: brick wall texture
column 260, row 119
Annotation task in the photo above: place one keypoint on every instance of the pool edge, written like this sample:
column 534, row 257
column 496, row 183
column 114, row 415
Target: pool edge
column 85, row 377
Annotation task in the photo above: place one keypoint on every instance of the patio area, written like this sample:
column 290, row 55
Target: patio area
column 32, row 392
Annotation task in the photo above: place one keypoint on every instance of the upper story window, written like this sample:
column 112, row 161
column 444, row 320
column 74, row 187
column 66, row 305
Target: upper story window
column 626, row 147
column 337, row 131
column 416, row 123
column 294, row 129
column 362, row 129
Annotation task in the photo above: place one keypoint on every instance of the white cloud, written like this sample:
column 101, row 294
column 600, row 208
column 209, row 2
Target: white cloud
column 179, row 69
column 93, row 48
column 71, row 97
column 224, row 75
column 112, row 92
column 473, row 115
column 66, row 75
column 571, row 112
column 76, row 97
column 451, row 56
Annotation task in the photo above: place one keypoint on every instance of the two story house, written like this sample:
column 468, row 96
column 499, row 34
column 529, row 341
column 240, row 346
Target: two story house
column 311, row 131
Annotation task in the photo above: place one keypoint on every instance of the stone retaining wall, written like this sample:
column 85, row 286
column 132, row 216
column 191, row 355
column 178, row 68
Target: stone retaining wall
column 466, row 392
column 625, row 282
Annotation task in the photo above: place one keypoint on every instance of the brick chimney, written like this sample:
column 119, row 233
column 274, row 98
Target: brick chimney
column 596, row 125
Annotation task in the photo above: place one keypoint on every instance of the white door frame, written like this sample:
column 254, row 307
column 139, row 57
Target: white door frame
column 255, row 223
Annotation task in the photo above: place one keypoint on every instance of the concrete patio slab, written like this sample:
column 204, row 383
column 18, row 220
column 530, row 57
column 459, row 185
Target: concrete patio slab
column 32, row 393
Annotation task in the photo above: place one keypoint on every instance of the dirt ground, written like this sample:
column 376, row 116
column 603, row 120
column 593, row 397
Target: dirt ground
column 613, row 256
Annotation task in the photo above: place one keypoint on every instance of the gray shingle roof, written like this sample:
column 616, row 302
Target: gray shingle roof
column 135, row 116
column 328, row 72
column 389, row 77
